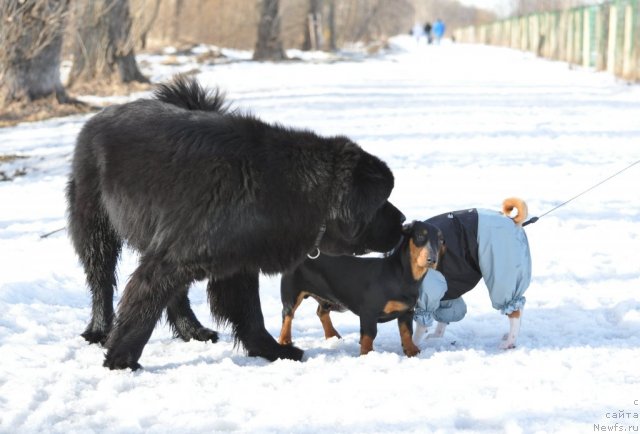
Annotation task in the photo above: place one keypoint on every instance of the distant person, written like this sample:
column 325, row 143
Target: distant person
column 427, row 32
column 438, row 30
column 417, row 31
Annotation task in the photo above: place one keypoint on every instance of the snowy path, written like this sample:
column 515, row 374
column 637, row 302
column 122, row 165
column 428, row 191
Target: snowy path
column 460, row 126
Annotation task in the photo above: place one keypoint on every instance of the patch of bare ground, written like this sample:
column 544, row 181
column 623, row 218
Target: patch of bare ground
column 7, row 158
column 46, row 108
column 110, row 89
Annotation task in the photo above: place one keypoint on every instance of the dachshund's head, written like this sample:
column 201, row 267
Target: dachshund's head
column 426, row 246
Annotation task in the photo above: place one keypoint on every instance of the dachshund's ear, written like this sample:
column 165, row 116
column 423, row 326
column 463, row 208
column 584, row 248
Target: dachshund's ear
column 408, row 228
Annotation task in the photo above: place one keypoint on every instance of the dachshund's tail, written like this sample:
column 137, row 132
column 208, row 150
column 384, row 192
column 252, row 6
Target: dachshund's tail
column 511, row 203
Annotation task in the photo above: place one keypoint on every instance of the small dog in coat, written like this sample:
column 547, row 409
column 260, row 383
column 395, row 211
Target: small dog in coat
column 480, row 244
column 375, row 289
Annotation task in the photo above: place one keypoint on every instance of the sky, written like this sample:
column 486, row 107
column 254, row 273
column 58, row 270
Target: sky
column 499, row 6
column 460, row 126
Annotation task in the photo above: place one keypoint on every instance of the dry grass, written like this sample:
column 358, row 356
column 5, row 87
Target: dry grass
column 4, row 176
column 9, row 157
column 46, row 108
column 110, row 89
column 22, row 111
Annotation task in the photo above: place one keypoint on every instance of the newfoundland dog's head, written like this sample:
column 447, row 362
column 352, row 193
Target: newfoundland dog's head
column 364, row 220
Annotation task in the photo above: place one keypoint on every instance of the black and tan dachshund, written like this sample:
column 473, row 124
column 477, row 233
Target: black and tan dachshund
column 375, row 289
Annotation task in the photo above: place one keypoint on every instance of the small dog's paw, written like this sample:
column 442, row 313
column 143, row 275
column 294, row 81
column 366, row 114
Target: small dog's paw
column 508, row 343
column 410, row 350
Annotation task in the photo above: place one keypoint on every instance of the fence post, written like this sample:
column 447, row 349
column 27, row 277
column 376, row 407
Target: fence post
column 579, row 33
column 586, row 38
column 627, row 45
column 571, row 34
column 636, row 42
column 612, row 38
column 602, row 30
column 506, row 25
column 554, row 24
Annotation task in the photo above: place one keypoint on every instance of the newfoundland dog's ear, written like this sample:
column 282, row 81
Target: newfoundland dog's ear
column 371, row 185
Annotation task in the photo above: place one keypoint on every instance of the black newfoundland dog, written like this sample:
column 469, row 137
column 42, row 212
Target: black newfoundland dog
column 203, row 192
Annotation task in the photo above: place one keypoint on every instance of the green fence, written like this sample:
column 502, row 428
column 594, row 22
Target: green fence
column 605, row 37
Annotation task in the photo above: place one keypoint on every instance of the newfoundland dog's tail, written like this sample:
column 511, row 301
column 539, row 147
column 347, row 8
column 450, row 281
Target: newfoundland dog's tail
column 187, row 93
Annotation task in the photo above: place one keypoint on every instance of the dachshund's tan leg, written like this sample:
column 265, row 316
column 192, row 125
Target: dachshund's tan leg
column 409, row 348
column 327, row 325
column 366, row 344
column 287, row 321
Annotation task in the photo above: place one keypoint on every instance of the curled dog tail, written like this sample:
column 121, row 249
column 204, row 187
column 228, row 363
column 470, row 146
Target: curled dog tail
column 187, row 93
column 511, row 203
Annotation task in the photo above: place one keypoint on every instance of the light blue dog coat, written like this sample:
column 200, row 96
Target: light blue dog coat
column 499, row 254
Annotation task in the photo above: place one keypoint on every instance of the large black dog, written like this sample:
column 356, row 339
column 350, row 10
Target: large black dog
column 375, row 289
column 203, row 192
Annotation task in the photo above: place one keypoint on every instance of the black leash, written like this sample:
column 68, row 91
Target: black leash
column 535, row 219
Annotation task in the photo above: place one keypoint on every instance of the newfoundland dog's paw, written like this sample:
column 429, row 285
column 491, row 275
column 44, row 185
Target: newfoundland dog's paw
column 120, row 361
column 204, row 334
column 94, row 337
column 288, row 352
column 291, row 353
column 199, row 333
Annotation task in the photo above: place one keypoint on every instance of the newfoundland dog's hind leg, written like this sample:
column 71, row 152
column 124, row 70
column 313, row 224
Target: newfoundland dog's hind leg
column 98, row 248
column 151, row 286
column 183, row 321
column 236, row 300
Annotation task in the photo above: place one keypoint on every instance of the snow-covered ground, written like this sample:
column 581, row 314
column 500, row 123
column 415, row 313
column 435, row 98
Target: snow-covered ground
column 460, row 126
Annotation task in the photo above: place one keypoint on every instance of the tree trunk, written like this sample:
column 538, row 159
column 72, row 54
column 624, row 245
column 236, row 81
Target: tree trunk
column 30, row 46
column 175, row 24
column 333, row 45
column 269, row 44
column 313, row 30
column 104, row 47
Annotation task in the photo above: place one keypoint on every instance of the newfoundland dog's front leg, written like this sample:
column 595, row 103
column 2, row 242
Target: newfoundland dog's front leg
column 183, row 321
column 236, row 300
column 146, row 295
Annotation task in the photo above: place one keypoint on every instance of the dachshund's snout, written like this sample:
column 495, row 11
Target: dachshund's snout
column 432, row 258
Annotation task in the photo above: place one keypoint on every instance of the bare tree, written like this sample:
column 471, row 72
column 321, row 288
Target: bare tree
column 269, row 44
column 313, row 29
column 144, row 14
column 31, row 33
column 373, row 20
column 285, row 23
column 331, row 23
column 104, row 44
